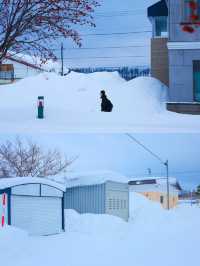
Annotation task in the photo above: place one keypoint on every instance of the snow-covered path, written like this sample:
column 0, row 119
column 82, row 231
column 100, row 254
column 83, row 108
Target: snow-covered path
column 153, row 237
column 72, row 104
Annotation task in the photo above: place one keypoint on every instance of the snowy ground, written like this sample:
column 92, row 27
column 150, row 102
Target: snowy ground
column 72, row 104
column 153, row 237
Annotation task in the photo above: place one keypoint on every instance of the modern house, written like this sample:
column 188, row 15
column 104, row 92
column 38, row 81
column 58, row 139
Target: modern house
column 155, row 189
column 158, row 16
column 35, row 205
column 183, row 45
column 95, row 193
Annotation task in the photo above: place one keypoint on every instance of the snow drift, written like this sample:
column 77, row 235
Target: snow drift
column 153, row 236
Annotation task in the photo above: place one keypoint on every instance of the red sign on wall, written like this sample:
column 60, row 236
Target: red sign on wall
column 4, row 203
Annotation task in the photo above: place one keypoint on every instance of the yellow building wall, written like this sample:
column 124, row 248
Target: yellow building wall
column 156, row 196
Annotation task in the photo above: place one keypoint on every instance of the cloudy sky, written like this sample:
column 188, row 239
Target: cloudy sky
column 116, row 152
column 114, row 16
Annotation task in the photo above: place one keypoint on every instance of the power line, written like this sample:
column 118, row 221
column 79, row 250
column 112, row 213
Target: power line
column 104, row 47
column 116, row 33
column 103, row 57
column 166, row 163
column 145, row 148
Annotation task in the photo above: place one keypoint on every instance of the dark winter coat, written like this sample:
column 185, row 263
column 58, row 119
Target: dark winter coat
column 106, row 105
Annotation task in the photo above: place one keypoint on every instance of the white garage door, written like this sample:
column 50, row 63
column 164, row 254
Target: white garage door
column 37, row 215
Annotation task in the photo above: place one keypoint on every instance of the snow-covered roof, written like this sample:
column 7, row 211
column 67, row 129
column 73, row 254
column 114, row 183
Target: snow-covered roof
column 35, row 62
column 16, row 181
column 150, row 180
column 157, row 179
column 91, row 178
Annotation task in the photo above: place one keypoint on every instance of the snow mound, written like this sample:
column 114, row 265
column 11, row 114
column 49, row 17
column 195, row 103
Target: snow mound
column 94, row 223
column 12, row 238
column 80, row 93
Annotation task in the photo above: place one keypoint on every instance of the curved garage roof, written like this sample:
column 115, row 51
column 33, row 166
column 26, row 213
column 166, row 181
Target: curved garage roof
column 17, row 181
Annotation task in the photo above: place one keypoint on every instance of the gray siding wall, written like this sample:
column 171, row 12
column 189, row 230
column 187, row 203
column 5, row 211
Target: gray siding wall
column 181, row 75
column 175, row 18
column 86, row 199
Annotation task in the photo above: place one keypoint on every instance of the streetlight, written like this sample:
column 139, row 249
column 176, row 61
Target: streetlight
column 165, row 163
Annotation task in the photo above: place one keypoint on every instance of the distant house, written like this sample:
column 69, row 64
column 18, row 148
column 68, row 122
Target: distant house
column 155, row 189
column 14, row 68
column 175, row 57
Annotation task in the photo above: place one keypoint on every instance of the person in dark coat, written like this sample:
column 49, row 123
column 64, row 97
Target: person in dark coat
column 106, row 104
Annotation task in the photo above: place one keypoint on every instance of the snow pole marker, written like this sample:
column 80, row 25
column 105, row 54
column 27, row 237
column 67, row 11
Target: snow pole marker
column 40, row 107
column 3, row 209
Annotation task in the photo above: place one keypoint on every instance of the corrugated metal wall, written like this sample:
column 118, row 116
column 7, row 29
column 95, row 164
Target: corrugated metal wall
column 108, row 198
column 86, row 199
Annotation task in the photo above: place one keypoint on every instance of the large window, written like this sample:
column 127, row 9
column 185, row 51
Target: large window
column 191, row 10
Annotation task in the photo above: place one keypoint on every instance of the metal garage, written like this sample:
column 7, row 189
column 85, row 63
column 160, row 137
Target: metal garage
column 109, row 197
column 36, row 205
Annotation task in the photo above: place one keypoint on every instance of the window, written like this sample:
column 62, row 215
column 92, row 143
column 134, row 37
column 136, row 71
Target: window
column 196, row 78
column 160, row 29
column 191, row 10
column 161, row 199
column 6, row 71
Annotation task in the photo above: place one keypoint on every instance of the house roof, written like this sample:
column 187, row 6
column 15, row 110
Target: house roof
column 155, row 181
column 159, row 9
column 23, row 62
column 36, row 63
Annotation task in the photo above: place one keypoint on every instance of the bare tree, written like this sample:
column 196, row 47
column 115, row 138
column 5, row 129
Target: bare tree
column 34, row 25
column 20, row 158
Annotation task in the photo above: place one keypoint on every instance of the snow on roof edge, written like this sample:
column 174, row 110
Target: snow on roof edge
column 17, row 181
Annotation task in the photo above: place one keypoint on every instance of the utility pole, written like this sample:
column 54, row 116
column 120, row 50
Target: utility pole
column 62, row 60
column 167, row 178
column 149, row 171
column 166, row 164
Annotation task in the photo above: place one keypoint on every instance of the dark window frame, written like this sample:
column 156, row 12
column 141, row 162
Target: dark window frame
column 196, row 68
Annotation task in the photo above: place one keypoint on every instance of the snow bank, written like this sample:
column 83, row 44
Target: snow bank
column 72, row 104
column 73, row 101
column 94, row 223
column 12, row 244
column 153, row 236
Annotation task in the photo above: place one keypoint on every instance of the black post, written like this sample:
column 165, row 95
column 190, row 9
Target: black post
column 62, row 59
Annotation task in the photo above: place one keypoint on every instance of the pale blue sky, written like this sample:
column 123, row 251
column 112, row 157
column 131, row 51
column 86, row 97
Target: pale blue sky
column 135, row 20
column 117, row 152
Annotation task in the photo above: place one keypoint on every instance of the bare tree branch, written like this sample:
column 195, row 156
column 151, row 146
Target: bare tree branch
column 20, row 158
column 34, row 25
